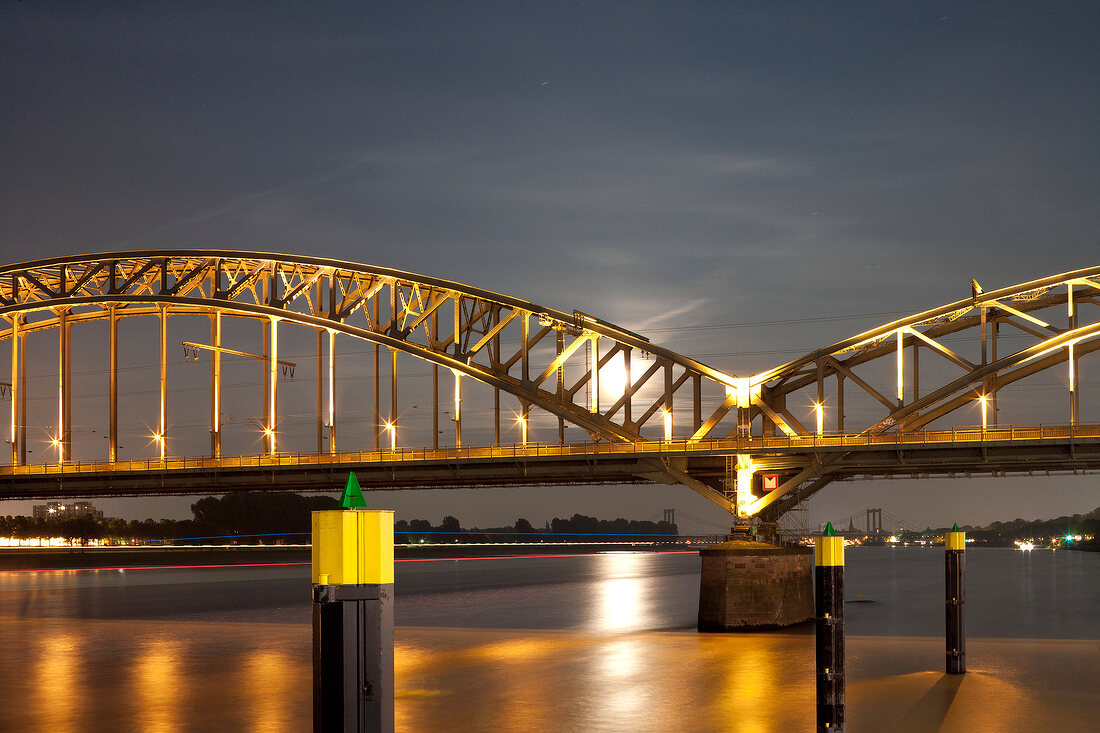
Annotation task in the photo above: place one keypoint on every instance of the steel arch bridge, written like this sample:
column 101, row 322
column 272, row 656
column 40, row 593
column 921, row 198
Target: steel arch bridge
column 755, row 445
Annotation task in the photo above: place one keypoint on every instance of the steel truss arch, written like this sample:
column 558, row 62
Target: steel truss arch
column 402, row 311
column 982, row 312
column 821, row 376
column 704, row 428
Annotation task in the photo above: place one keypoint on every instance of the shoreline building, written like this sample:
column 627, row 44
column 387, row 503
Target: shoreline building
column 66, row 510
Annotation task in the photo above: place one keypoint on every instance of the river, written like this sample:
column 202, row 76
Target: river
column 592, row 642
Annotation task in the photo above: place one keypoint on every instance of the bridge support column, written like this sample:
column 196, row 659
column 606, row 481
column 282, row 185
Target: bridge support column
column 752, row 586
column 271, row 423
column 458, row 409
column 332, row 392
column 162, row 429
column 15, row 390
column 216, row 385
column 744, row 495
column 22, row 414
column 112, row 385
column 63, row 440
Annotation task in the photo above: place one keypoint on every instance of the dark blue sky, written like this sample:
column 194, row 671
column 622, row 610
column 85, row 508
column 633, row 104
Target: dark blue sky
column 659, row 164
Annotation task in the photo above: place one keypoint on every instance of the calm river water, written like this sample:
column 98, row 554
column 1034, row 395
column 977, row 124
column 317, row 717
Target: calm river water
column 602, row 642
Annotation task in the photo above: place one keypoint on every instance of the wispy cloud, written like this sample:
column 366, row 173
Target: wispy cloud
column 245, row 204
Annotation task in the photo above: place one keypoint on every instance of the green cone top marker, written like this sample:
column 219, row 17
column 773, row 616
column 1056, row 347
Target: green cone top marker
column 353, row 495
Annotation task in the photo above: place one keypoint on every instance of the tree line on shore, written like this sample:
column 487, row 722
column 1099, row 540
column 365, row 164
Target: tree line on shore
column 577, row 528
column 285, row 518
column 1006, row 533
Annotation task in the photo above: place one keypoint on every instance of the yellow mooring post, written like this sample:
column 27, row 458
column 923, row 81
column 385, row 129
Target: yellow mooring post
column 954, row 546
column 352, row 617
column 829, row 623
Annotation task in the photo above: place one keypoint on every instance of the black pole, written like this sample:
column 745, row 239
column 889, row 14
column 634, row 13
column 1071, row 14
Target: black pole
column 352, row 673
column 829, row 622
column 954, row 544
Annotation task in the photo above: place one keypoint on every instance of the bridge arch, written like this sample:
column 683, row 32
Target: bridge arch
column 670, row 419
column 883, row 366
column 464, row 329
column 1029, row 308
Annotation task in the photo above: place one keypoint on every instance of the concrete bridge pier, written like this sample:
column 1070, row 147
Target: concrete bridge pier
column 746, row 585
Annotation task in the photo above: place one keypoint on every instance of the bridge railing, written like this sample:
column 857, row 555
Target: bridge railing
column 724, row 446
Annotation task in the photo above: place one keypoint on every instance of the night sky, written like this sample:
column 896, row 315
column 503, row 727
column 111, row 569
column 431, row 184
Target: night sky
column 742, row 182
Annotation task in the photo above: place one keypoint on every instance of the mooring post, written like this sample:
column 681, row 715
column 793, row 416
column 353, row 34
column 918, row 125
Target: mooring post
column 954, row 545
column 353, row 617
column 829, row 620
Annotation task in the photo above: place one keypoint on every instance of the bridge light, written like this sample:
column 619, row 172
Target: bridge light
column 667, row 414
column 983, row 400
column 159, row 439
column 392, row 428
column 522, row 422
column 819, row 409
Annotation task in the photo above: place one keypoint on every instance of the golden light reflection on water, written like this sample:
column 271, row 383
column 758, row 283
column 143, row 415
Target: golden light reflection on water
column 159, row 688
column 620, row 602
column 749, row 671
column 516, row 649
column 626, row 682
column 271, row 674
column 521, row 691
column 57, row 681
column 413, row 682
column 87, row 675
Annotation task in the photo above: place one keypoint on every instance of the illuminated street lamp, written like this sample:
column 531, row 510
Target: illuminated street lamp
column 983, row 400
column 158, row 438
column 60, row 449
column 668, row 423
column 392, row 428
column 820, row 410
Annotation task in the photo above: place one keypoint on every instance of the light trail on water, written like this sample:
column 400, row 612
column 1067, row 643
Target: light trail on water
column 291, row 564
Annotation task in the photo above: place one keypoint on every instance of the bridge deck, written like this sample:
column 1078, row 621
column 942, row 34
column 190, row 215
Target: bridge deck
column 996, row 450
